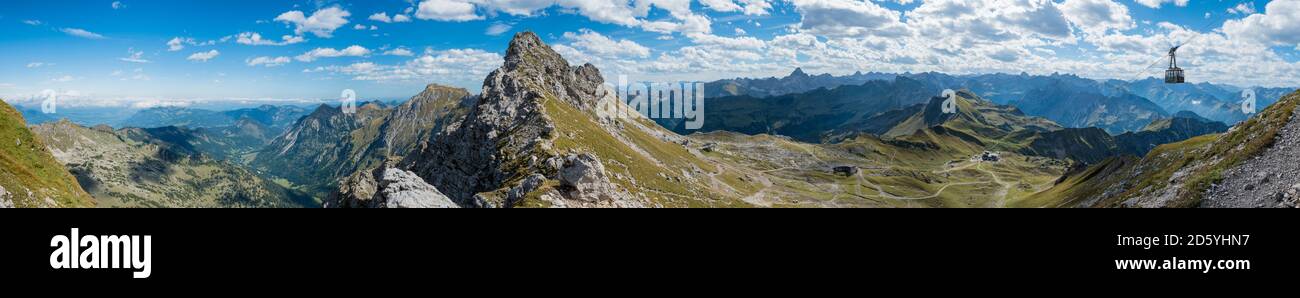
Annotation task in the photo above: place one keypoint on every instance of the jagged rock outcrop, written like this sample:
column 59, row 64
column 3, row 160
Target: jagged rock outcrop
column 386, row 187
column 507, row 131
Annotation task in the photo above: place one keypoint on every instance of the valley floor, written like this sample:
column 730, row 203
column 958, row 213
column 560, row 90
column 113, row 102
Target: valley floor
column 794, row 174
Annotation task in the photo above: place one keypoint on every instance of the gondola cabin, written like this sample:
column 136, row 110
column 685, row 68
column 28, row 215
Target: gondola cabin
column 1173, row 75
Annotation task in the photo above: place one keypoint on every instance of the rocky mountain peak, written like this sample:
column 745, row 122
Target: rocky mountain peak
column 528, row 52
column 798, row 72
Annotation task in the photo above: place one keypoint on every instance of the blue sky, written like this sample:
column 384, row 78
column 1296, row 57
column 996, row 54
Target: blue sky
column 145, row 53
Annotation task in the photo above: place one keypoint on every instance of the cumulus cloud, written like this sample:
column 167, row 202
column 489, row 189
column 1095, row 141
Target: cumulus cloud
column 175, row 44
column 254, row 38
column 1277, row 26
column 1098, row 16
column 749, row 7
column 352, row 51
column 322, row 23
column 1157, row 3
column 383, row 18
column 596, row 44
column 117, row 5
column 848, row 18
column 399, row 52
column 203, row 56
column 267, row 61
column 1242, row 8
column 447, row 10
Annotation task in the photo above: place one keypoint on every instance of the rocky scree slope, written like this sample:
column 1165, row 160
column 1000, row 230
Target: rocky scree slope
column 1221, row 167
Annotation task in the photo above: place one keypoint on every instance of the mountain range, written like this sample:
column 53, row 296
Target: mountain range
column 1100, row 101
column 537, row 136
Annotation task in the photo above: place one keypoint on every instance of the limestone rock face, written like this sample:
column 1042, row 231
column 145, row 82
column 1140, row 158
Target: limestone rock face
column 507, row 131
column 388, row 188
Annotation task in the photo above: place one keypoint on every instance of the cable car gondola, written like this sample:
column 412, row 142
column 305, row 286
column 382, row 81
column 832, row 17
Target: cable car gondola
column 1173, row 75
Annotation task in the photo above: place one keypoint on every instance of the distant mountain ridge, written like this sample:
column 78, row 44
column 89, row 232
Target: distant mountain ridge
column 1213, row 101
column 273, row 117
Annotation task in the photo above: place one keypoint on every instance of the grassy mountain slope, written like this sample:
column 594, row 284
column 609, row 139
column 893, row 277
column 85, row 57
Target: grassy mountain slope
column 29, row 174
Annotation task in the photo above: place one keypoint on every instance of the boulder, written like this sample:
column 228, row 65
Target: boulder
column 387, row 187
column 586, row 177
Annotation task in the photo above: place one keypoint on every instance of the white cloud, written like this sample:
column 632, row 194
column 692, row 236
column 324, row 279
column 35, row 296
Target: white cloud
column 63, row 79
column 134, row 56
column 179, row 43
column 254, row 38
column 203, row 56
column 721, row 5
column 1245, row 8
column 268, row 61
column 447, row 10
column 399, row 52
column 594, row 43
column 175, row 44
column 1098, row 16
column 750, row 7
column 381, row 17
column 1157, row 3
column 117, row 5
column 1277, row 26
column 459, row 65
column 497, row 29
column 515, row 7
column 36, row 64
column 848, row 18
column 352, row 51
column 32, row 22
column 322, row 23
column 81, row 33
column 611, row 12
